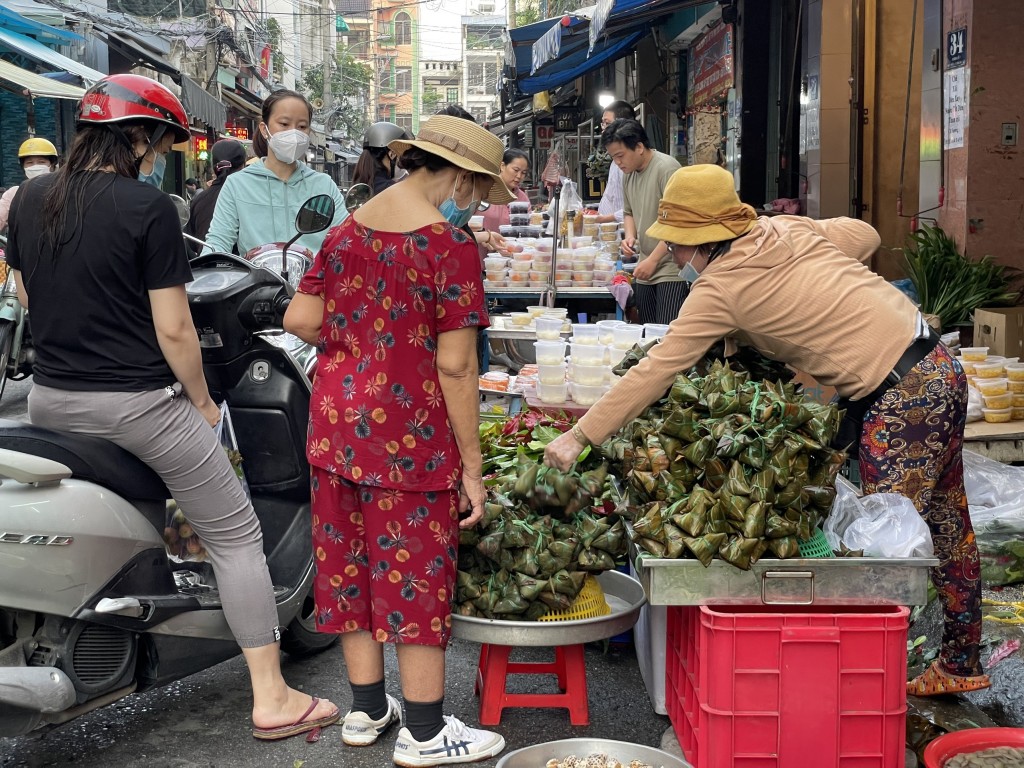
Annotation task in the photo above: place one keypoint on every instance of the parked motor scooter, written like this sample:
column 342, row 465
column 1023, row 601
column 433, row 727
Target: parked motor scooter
column 92, row 608
column 16, row 352
column 292, row 262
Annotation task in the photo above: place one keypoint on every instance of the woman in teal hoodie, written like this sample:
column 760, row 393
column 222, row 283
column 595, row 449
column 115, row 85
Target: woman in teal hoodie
column 258, row 204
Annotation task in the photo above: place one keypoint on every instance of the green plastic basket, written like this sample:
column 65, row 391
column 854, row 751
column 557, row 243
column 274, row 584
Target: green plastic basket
column 816, row 546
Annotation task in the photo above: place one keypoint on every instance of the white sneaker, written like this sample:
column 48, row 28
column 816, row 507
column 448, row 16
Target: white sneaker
column 456, row 743
column 358, row 730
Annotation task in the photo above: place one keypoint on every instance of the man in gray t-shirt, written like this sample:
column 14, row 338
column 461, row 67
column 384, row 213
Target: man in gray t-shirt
column 659, row 289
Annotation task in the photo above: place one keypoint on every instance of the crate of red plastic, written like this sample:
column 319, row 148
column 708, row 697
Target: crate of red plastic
column 756, row 687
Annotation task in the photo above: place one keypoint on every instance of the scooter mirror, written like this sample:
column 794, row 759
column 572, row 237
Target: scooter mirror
column 357, row 196
column 315, row 215
column 182, row 207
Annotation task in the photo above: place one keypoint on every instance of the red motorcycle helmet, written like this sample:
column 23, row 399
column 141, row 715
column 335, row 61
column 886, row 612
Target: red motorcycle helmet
column 124, row 98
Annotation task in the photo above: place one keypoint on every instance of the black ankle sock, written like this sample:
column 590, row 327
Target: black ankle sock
column 370, row 699
column 424, row 719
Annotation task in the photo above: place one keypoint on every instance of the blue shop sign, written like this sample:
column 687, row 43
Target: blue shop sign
column 956, row 47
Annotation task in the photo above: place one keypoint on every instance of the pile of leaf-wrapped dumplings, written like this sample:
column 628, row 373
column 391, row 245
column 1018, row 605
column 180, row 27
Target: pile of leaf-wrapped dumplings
column 536, row 543
column 730, row 467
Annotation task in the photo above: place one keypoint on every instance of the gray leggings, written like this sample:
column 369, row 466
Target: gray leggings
column 173, row 438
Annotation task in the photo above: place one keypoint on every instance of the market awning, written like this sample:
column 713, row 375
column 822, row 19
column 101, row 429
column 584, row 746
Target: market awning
column 240, row 103
column 201, row 105
column 35, row 50
column 23, row 25
column 37, row 85
column 147, row 51
column 626, row 24
column 512, row 123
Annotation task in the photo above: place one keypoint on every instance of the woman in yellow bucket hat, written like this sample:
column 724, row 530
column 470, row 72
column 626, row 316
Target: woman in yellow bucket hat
column 37, row 157
column 798, row 291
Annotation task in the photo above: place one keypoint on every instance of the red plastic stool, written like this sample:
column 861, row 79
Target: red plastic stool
column 568, row 667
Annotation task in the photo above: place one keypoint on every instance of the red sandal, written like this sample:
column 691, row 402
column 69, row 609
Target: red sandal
column 935, row 681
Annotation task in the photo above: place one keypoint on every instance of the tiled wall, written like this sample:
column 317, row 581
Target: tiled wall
column 825, row 117
column 984, row 207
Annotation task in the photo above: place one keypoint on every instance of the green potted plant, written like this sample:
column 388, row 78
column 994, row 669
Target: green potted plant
column 949, row 284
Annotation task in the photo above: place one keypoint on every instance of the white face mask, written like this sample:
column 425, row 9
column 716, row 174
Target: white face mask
column 36, row 170
column 289, row 146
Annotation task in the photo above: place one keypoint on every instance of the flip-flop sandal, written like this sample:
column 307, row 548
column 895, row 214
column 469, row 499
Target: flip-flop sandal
column 936, row 682
column 299, row 726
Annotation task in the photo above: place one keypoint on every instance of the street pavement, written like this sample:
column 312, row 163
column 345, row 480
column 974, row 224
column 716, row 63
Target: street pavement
column 202, row 721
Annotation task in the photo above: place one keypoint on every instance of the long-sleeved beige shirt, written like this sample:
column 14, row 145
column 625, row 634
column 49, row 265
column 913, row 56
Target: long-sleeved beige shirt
column 798, row 291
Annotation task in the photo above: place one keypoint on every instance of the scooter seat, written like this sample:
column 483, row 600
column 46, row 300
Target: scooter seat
column 89, row 458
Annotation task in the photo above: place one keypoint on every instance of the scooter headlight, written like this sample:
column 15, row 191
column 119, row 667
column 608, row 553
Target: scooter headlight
column 298, row 265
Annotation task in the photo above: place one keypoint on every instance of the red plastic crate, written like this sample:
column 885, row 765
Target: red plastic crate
column 754, row 687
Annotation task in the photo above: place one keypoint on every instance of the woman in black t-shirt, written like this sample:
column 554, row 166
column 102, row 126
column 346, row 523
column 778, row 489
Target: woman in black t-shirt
column 94, row 239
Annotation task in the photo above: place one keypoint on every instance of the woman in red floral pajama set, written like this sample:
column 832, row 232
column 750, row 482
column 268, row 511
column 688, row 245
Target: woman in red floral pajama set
column 394, row 302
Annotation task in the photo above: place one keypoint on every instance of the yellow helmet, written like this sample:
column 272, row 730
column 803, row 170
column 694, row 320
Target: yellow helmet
column 37, row 148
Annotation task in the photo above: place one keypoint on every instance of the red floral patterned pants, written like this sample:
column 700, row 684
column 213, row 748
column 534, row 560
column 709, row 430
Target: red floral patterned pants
column 385, row 560
column 911, row 443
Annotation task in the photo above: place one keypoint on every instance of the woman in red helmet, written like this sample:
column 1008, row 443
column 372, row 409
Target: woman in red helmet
column 92, row 237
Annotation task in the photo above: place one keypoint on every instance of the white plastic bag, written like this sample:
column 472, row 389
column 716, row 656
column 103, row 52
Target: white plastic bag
column 881, row 524
column 995, row 493
column 974, row 405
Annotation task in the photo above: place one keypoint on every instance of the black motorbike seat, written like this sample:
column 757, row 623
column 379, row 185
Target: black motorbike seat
column 89, row 458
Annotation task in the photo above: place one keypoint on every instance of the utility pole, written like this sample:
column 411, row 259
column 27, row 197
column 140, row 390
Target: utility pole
column 511, row 14
column 212, row 48
column 327, row 26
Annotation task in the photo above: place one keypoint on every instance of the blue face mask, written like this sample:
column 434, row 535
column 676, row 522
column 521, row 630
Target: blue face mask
column 156, row 178
column 458, row 217
column 689, row 273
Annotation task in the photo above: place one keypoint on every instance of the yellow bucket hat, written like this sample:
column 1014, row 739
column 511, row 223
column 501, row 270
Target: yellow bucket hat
column 464, row 144
column 700, row 205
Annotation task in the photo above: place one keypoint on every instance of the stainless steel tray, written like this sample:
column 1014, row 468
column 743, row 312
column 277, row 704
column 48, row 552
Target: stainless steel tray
column 796, row 581
column 538, row 755
column 624, row 594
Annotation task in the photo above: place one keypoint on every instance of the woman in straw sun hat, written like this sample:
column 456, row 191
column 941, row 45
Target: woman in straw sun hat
column 394, row 302
column 797, row 290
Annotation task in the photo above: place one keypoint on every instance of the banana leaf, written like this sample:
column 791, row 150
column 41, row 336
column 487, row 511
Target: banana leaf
column 715, row 474
column 777, row 527
column 739, row 551
column 490, row 546
column 779, row 463
column 788, row 495
column 526, row 480
column 612, row 540
column 699, row 452
column 468, row 537
column 596, row 560
column 511, row 601
column 651, row 522
column 466, row 609
column 683, row 475
column 561, row 582
column 732, row 445
column 547, row 563
column 785, row 547
column 653, row 546
column 704, row 548
column 556, row 602
column 492, row 511
column 466, row 587
column 717, row 519
column 754, row 520
column 566, row 548
column 762, row 486
column 680, row 425
column 672, row 446
column 736, row 483
column 535, row 610
column 754, row 455
column 734, row 507
column 683, row 391
column 721, row 404
column 821, row 496
column 526, row 562
column 644, row 482
column 673, row 541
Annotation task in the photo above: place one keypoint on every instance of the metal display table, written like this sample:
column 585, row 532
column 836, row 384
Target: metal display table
column 796, row 581
column 560, row 293
column 999, row 442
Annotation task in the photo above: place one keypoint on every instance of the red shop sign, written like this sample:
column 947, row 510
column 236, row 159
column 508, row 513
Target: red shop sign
column 711, row 66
